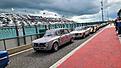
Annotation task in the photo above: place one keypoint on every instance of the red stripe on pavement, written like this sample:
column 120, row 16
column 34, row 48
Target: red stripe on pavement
column 103, row 51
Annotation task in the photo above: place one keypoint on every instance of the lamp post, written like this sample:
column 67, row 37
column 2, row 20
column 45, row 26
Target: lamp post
column 108, row 11
column 108, row 14
column 102, row 10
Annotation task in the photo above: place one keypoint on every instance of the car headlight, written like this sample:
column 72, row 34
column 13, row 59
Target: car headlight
column 47, row 43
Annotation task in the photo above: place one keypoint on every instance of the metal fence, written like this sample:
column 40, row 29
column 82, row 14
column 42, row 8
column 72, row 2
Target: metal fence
column 20, row 35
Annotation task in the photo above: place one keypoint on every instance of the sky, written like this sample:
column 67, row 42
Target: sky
column 77, row 10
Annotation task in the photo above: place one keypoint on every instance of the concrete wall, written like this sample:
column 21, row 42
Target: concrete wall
column 28, row 40
column 13, row 48
column 1, row 45
column 18, row 49
column 11, row 43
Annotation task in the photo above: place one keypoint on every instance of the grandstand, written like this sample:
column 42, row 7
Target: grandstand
column 12, row 19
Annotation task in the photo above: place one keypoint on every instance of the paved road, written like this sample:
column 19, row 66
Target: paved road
column 43, row 59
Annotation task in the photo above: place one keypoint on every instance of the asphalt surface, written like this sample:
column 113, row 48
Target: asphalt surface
column 43, row 59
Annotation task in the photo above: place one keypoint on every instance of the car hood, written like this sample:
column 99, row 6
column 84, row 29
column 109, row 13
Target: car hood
column 45, row 39
column 82, row 31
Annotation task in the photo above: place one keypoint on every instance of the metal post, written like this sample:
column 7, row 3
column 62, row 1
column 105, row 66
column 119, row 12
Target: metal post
column 73, row 25
column 102, row 10
column 24, row 34
column 17, row 34
column 108, row 14
column 82, row 24
column 4, row 44
column 36, row 30
column 48, row 24
column 31, row 38
column 46, row 27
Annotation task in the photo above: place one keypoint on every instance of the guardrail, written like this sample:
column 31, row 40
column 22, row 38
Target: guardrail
column 16, row 36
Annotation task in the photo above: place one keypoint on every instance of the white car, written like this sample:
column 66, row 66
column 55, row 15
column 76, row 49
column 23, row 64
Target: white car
column 80, row 32
column 52, row 39
column 93, row 28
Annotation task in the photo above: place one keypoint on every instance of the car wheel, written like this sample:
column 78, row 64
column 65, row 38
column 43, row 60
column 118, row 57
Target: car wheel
column 72, row 40
column 88, row 34
column 55, row 47
column 84, row 36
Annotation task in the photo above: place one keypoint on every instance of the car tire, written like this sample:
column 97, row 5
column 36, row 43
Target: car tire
column 71, row 40
column 88, row 34
column 55, row 47
column 84, row 36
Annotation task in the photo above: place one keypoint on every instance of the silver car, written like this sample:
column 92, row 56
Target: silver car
column 52, row 39
column 80, row 32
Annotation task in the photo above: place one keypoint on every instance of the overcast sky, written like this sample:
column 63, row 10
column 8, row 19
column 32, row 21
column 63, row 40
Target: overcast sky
column 79, row 10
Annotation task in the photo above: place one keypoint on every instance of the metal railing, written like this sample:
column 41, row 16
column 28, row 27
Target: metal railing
column 20, row 35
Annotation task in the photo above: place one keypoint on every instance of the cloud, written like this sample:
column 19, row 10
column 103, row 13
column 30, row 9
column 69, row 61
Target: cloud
column 81, row 10
column 111, row 7
column 77, row 7
column 18, row 4
column 48, row 14
column 87, row 18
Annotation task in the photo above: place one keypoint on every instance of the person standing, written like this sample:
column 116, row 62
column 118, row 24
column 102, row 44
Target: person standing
column 115, row 24
column 118, row 25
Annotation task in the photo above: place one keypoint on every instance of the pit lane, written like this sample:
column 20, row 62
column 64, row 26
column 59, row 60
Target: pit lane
column 43, row 59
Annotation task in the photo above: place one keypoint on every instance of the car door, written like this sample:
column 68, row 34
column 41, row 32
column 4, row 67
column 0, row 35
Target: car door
column 62, row 37
column 86, row 31
column 67, row 34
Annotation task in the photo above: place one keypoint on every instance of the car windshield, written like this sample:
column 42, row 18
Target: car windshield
column 50, row 33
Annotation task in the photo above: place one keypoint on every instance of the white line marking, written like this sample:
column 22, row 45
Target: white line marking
column 72, row 52
column 20, row 52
